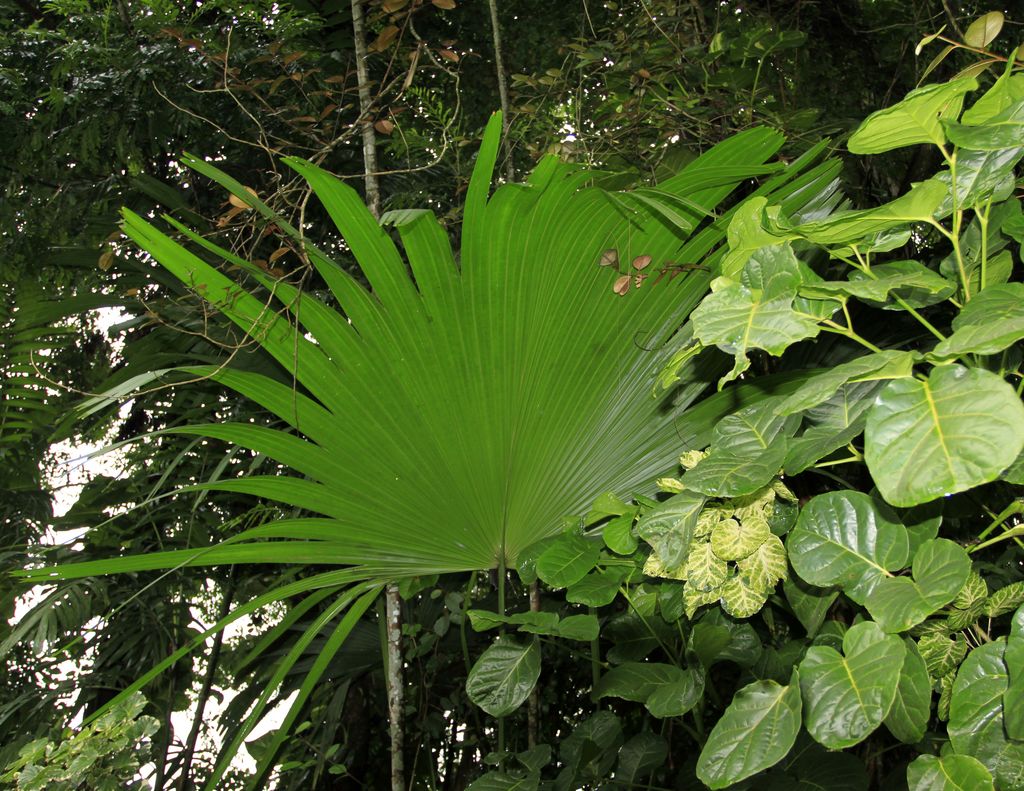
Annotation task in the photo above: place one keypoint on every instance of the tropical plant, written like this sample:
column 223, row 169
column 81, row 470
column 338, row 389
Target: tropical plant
column 901, row 598
column 452, row 420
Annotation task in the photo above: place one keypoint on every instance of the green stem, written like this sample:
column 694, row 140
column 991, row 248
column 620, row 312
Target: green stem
column 1016, row 507
column 1013, row 532
column 830, row 326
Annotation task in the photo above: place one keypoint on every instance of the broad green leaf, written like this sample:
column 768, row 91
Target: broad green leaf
column 590, row 750
column 889, row 364
column 861, row 684
column 907, row 720
column 1005, row 130
column 844, row 227
column 976, row 723
column 578, row 627
column 747, row 233
column 607, row 504
column 913, row 120
column 618, row 535
column 640, row 756
column 766, row 565
column 897, row 278
column 732, row 540
column 810, row 604
column 981, row 176
column 832, row 424
column 567, row 560
column 948, row 773
column 535, row 758
column 705, row 570
column 636, row 681
column 757, row 730
column 503, row 676
column 669, row 527
column 842, row 538
column 989, row 323
column 1013, row 698
column 535, row 622
column 597, row 588
column 483, row 620
column 503, row 781
column 1005, row 92
column 747, row 451
column 738, row 318
column 940, row 569
column 678, row 697
column 983, row 30
column 955, row 430
column 742, row 644
column 740, row 598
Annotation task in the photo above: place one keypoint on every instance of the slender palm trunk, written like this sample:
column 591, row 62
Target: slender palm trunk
column 533, row 705
column 204, row 694
column 499, row 66
column 394, row 603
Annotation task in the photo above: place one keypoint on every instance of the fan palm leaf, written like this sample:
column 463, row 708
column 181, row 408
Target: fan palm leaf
column 449, row 415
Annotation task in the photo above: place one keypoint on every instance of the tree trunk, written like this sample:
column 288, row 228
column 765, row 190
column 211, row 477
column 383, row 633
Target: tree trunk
column 502, row 88
column 533, row 705
column 365, row 115
column 394, row 670
column 189, row 750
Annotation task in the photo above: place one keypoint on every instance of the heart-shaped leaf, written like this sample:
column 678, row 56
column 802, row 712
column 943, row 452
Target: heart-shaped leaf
column 843, row 538
column 757, row 730
column 948, row 773
column 503, row 676
column 955, row 430
column 732, row 540
column 861, row 683
column 940, row 569
column 908, row 718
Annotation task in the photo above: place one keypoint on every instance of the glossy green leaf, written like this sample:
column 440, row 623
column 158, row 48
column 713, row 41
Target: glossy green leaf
column 831, row 425
column 981, row 176
column 618, row 535
column 1005, row 130
column 897, row 278
column 940, row 569
column 989, row 323
column 955, row 430
column 636, row 681
column 567, row 560
column 757, row 730
column 747, row 452
column 640, row 756
column 678, row 697
column 948, row 773
column 1007, row 91
column 503, row 676
column 737, row 318
column 596, row 589
column 578, row 627
column 861, row 683
column 843, row 538
column 976, row 724
column 983, row 30
column 1013, row 698
column 908, row 718
column 913, row 120
column 810, row 767
column 890, row 364
column 844, row 227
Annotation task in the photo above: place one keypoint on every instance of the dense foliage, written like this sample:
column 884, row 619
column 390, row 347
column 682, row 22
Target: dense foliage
column 835, row 566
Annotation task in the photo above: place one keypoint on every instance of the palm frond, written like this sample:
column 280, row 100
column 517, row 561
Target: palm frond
column 453, row 412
